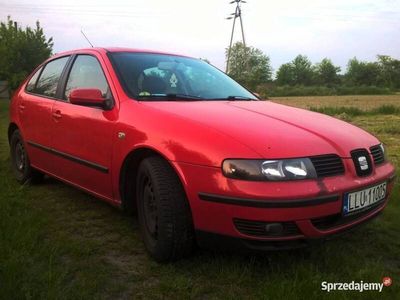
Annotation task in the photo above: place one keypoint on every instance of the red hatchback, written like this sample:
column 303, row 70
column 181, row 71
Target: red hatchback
column 197, row 156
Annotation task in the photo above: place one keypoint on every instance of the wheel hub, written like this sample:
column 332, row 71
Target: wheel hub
column 19, row 156
column 150, row 209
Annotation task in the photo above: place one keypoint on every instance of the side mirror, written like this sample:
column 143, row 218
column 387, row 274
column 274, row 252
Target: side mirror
column 88, row 97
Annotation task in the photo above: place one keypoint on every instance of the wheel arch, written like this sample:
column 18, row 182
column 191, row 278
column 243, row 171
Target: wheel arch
column 11, row 128
column 128, row 175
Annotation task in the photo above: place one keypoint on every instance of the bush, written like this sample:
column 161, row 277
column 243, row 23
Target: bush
column 300, row 90
column 363, row 90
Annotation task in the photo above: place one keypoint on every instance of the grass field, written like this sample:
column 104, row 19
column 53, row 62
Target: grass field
column 362, row 102
column 57, row 242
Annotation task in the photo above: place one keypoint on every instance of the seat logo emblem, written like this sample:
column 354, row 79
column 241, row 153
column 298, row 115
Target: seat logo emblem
column 121, row 135
column 362, row 160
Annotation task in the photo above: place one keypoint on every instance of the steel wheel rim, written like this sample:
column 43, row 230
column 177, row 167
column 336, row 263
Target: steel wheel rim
column 150, row 211
column 20, row 156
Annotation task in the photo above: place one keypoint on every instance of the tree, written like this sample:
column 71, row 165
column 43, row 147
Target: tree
column 285, row 75
column 298, row 72
column 363, row 73
column 303, row 71
column 326, row 72
column 248, row 65
column 21, row 50
column 389, row 71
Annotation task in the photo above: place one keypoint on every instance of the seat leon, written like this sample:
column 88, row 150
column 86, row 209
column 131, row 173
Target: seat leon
column 199, row 159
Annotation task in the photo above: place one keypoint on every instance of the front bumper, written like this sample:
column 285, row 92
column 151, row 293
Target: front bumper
column 307, row 209
column 211, row 240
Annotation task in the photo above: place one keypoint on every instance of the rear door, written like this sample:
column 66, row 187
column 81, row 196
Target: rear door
column 82, row 136
column 35, row 111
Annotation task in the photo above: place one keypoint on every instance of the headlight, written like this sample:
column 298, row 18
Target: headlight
column 274, row 170
column 383, row 151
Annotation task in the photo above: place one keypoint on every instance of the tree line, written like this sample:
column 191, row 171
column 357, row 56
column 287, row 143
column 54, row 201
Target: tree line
column 252, row 68
column 22, row 49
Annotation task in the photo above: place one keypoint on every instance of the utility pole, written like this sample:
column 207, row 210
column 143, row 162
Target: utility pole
column 234, row 16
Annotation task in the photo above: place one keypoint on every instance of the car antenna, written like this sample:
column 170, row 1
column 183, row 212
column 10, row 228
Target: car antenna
column 84, row 35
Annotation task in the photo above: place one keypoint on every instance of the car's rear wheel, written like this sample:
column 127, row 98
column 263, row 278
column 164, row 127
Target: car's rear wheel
column 164, row 215
column 20, row 161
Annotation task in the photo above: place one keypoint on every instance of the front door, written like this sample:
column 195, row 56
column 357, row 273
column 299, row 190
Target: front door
column 82, row 136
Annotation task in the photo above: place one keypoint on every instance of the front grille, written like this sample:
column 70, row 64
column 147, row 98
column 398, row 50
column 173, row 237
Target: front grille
column 258, row 228
column 327, row 165
column 332, row 221
column 377, row 154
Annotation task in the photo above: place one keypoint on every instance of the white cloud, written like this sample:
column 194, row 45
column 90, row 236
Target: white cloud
column 337, row 29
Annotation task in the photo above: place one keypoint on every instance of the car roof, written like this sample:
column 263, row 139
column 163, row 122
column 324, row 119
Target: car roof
column 114, row 49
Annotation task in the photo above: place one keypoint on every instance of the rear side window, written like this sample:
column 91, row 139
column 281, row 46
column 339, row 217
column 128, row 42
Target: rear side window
column 30, row 87
column 86, row 73
column 48, row 81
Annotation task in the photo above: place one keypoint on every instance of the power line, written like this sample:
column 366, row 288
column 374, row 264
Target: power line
column 102, row 11
column 74, row 10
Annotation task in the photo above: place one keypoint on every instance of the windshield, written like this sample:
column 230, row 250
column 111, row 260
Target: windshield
column 147, row 76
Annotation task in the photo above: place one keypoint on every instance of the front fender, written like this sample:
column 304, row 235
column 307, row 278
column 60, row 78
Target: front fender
column 175, row 138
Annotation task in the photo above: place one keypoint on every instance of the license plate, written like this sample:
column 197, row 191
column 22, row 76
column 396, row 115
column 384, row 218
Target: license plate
column 360, row 200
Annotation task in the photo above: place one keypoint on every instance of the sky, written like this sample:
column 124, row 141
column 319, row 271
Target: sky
column 339, row 30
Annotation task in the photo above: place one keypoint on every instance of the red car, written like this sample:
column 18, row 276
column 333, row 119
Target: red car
column 198, row 157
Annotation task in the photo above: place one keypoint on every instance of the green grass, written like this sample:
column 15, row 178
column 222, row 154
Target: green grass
column 362, row 102
column 57, row 242
column 355, row 111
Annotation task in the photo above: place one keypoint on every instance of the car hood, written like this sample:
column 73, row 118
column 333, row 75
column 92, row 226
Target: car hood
column 273, row 130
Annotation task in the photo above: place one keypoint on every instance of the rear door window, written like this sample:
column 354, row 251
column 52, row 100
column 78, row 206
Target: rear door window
column 30, row 87
column 48, row 81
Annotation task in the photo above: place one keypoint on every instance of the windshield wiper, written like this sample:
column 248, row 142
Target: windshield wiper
column 184, row 96
column 175, row 97
column 236, row 98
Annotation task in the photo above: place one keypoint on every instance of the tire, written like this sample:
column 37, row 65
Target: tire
column 20, row 163
column 164, row 215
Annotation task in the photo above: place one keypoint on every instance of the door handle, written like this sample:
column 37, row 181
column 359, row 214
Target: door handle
column 21, row 107
column 57, row 114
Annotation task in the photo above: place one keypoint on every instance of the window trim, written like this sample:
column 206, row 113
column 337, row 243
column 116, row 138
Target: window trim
column 65, row 76
column 43, row 66
column 63, row 79
column 38, row 69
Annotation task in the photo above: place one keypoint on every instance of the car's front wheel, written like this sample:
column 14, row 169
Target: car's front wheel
column 163, row 211
column 20, row 161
